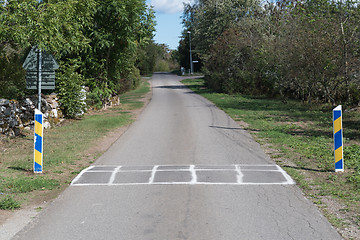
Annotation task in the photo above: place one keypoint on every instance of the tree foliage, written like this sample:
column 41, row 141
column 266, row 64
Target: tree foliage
column 155, row 57
column 302, row 49
column 98, row 40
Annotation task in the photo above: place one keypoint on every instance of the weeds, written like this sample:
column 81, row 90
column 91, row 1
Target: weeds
column 8, row 203
column 23, row 184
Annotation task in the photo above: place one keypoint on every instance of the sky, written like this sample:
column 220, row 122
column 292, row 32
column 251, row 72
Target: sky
column 168, row 27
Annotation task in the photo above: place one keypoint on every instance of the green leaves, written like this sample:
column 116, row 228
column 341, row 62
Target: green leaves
column 119, row 29
column 95, row 40
column 307, row 50
column 72, row 95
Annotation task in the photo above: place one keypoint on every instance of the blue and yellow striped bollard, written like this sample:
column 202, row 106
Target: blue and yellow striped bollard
column 338, row 139
column 38, row 142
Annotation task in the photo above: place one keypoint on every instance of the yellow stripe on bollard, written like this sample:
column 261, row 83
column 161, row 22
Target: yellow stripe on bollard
column 338, row 154
column 38, row 128
column 337, row 125
column 38, row 157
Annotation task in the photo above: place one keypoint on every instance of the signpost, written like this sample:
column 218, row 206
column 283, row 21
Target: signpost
column 40, row 74
column 338, row 139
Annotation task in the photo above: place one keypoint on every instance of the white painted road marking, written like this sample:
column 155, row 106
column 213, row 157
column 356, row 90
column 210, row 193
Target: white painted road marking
column 240, row 174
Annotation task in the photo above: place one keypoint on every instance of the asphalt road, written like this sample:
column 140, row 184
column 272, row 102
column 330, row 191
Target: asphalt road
column 184, row 170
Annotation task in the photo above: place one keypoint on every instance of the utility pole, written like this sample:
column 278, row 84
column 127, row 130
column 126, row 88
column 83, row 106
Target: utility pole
column 191, row 62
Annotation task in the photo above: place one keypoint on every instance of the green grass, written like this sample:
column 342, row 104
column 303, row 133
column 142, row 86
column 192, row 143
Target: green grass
column 7, row 202
column 78, row 136
column 65, row 150
column 24, row 184
column 301, row 137
column 132, row 98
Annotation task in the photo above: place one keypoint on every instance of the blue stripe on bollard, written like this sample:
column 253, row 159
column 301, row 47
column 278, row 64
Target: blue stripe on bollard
column 338, row 139
column 339, row 166
column 38, row 117
column 37, row 168
column 38, row 143
column 337, row 112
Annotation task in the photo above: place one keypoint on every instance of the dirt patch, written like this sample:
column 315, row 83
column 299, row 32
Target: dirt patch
column 243, row 124
column 351, row 231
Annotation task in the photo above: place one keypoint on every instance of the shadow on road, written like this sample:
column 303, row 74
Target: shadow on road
column 229, row 128
column 173, row 87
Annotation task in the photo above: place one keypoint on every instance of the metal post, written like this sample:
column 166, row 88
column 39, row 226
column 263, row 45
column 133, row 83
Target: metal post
column 191, row 62
column 39, row 79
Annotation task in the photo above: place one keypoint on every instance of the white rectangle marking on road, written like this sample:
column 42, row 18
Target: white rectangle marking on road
column 239, row 169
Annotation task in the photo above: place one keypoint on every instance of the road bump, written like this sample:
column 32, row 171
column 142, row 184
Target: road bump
column 239, row 174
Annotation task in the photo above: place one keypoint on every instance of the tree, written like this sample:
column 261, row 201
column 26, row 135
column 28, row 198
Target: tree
column 96, row 43
column 118, row 30
column 302, row 49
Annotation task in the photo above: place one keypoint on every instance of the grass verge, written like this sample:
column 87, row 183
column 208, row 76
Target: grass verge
column 299, row 138
column 67, row 150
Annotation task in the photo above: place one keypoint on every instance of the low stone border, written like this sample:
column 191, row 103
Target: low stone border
column 15, row 116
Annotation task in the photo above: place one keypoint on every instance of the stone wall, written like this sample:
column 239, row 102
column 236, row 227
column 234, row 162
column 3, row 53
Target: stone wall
column 112, row 101
column 15, row 116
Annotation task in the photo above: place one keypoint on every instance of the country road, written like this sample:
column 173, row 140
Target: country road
column 183, row 170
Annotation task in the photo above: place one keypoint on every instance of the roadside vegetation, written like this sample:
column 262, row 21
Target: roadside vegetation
column 307, row 50
column 299, row 137
column 102, row 46
column 67, row 150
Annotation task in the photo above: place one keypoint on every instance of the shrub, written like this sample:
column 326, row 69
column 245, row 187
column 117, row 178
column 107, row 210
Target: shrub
column 71, row 91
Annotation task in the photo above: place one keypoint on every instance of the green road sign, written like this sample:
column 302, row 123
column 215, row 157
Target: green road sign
column 48, row 67
column 47, row 80
column 48, row 61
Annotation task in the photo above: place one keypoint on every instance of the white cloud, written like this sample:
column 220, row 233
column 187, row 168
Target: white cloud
column 169, row 6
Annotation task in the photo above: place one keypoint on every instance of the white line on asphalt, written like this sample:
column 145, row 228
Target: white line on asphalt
column 80, row 174
column 181, row 183
column 193, row 174
column 286, row 176
column 239, row 175
column 151, row 180
column 113, row 175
